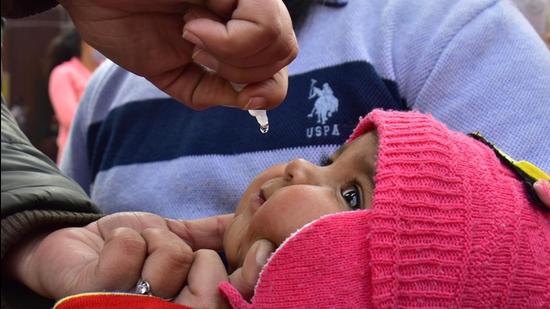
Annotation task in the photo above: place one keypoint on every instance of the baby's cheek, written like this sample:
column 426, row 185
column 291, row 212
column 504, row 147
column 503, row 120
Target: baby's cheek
column 284, row 214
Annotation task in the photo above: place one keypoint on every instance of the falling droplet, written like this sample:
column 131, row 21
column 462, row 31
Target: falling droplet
column 264, row 129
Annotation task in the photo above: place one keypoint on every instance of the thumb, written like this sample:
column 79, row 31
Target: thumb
column 244, row 279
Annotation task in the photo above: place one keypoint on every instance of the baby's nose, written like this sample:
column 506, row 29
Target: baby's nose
column 300, row 171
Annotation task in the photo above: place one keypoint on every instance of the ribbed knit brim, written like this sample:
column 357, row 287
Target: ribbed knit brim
column 450, row 226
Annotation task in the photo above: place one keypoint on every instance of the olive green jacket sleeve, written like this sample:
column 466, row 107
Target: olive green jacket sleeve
column 35, row 196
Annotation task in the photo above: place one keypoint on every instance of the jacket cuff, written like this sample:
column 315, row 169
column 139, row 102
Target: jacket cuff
column 21, row 224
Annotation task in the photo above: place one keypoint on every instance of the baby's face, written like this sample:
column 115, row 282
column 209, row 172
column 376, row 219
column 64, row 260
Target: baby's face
column 285, row 197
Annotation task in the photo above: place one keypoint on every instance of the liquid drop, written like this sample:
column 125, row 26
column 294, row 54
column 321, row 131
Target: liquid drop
column 264, row 129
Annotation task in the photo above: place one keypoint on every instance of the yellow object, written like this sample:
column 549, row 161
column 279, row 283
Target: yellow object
column 531, row 170
column 526, row 168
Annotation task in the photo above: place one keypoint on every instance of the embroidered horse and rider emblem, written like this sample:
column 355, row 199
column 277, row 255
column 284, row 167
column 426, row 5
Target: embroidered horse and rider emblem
column 324, row 107
column 325, row 104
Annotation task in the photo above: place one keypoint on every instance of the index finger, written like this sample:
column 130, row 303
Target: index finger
column 205, row 233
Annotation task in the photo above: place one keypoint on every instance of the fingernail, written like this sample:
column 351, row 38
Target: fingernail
column 256, row 103
column 191, row 38
column 205, row 59
column 262, row 254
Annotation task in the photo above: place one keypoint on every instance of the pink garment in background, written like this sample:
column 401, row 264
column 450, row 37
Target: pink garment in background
column 67, row 83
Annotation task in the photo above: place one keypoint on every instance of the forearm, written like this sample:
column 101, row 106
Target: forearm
column 21, row 234
column 19, row 260
column 35, row 195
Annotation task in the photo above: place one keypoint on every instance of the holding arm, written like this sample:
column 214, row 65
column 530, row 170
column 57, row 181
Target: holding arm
column 35, row 195
column 146, row 38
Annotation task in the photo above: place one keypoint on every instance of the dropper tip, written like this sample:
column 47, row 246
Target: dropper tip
column 264, row 128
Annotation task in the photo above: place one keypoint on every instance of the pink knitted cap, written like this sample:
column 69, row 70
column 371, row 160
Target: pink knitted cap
column 449, row 227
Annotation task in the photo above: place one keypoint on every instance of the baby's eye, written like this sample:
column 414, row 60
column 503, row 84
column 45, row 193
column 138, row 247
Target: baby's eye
column 352, row 195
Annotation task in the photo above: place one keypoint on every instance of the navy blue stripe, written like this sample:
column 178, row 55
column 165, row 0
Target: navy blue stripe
column 163, row 129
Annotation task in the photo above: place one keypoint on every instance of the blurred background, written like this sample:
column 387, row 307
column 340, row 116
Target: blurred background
column 24, row 76
column 44, row 104
column 45, row 69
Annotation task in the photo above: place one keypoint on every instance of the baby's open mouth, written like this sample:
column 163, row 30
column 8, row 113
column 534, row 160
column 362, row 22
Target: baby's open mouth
column 261, row 197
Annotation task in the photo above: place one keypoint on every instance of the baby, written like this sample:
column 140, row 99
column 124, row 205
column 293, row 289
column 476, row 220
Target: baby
column 286, row 197
column 440, row 222
column 406, row 214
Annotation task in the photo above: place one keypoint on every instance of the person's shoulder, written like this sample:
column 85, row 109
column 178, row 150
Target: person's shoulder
column 448, row 13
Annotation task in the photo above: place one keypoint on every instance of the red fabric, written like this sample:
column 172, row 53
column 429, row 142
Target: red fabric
column 450, row 227
column 115, row 301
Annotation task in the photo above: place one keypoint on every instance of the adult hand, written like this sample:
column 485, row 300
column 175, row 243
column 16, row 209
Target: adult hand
column 245, row 41
column 112, row 253
column 208, row 233
column 208, row 271
column 542, row 188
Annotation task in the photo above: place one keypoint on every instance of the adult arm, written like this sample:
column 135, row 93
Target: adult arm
column 35, row 196
column 109, row 253
column 145, row 38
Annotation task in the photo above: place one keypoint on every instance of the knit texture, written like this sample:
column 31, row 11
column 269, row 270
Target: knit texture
column 450, row 226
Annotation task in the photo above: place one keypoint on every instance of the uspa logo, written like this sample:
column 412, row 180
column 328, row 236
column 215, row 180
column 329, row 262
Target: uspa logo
column 325, row 104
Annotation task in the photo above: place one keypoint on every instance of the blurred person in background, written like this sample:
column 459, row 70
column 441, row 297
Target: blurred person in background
column 71, row 61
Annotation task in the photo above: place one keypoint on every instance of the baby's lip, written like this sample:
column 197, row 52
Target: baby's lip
column 256, row 201
column 261, row 196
